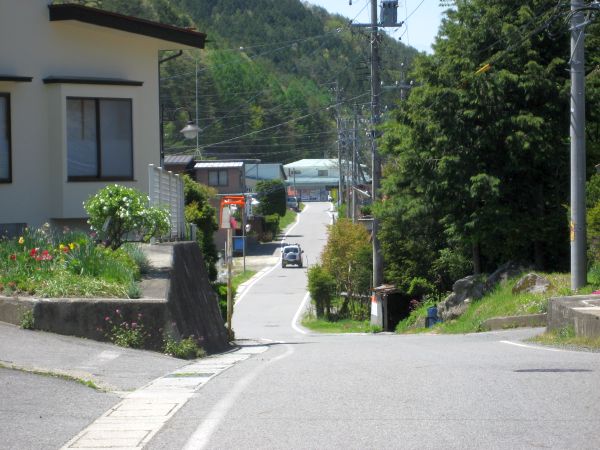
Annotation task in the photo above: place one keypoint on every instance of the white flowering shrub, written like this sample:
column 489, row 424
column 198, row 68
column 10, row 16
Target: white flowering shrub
column 115, row 211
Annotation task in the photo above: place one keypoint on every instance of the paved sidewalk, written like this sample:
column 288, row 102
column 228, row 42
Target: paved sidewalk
column 110, row 367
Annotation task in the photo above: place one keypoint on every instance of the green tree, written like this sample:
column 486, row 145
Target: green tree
column 271, row 195
column 478, row 161
column 347, row 256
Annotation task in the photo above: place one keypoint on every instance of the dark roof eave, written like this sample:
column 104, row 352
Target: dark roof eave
column 16, row 78
column 91, row 80
column 127, row 23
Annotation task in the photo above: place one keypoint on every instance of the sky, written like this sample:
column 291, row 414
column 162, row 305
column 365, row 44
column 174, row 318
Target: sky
column 419, row 30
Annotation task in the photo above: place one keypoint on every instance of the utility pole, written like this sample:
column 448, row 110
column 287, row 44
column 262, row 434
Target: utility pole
column 577, row 223
column 354, row 169
column 339, row 125
column 375, row 159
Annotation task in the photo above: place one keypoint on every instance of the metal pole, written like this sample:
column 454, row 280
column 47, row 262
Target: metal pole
column 229, row 280
column 354, row 171
column 577, row 225
column 375, row 159
column 244, row 236
column 197, row 134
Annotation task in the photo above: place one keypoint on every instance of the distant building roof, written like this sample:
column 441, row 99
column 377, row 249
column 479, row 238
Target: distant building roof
column 314, row 163
column 266, row 171
column 218, row 164
column 180, row 160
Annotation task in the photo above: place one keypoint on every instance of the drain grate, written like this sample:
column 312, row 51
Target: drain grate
column 553, row 370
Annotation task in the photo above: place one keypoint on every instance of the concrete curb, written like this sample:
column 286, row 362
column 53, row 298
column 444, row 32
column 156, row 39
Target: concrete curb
column 528, row 320
column 582, row 312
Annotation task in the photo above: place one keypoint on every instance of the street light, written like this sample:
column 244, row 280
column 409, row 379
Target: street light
column 190, row 131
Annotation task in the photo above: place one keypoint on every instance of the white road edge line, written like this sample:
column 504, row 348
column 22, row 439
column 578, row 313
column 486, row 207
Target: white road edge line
column 201, row 436
column 535, row 347
column 259, row 275
column 301, row 309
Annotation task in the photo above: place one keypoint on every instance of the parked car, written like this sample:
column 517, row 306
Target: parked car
column 291, row 254
column 293, row 203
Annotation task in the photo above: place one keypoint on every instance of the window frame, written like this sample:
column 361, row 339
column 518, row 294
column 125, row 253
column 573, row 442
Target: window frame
column 8, row 136
column 322, row 172
column 218, row 172
column 99, row 176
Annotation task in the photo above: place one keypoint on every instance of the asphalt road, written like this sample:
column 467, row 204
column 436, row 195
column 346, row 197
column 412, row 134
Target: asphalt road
column 487, row 390
column 309, row 391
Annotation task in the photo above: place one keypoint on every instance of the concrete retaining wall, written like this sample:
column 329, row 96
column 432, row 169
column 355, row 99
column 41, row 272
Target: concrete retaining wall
column 185, row 305
column 528, row 320
column 582, row 312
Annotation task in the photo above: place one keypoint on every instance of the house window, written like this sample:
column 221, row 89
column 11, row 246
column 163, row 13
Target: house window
column 5, row 153
column 323, row 173
column 99, row 139
column 217, row 178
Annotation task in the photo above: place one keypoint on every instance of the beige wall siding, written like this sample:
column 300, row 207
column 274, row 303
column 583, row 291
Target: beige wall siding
column 31, row 45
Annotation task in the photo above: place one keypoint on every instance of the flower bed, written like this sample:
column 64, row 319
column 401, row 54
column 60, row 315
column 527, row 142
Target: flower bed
column 50, row 263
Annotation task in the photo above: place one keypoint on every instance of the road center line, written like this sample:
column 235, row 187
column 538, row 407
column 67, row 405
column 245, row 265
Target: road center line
column 201, row 437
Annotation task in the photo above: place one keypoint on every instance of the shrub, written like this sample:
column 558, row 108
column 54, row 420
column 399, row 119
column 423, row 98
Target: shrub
column 271, row 225
column 115, row 211
column 27, row 320
column 419, row 287
column 186, row 348
column 321, row 286
column 221, row 289
column 125, row 333
column 199, row 212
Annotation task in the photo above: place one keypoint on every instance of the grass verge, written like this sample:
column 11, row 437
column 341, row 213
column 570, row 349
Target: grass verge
column 62, row 376
column 500, row 302
column 565, row 337
column 288, row 219
column 341, row 326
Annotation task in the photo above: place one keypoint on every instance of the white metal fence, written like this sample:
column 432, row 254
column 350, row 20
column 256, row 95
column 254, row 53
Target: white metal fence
column 166, row 189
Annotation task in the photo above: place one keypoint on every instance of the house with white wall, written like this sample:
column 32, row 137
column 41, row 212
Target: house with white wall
column 312, row 179
column 79, row 106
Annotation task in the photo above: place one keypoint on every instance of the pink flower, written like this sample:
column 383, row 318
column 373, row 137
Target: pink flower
column 107, row 319
column 33, row 252
column 118, row 311
column 133, row 325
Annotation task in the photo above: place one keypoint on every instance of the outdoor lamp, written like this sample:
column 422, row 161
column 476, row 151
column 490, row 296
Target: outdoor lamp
column 190, row 131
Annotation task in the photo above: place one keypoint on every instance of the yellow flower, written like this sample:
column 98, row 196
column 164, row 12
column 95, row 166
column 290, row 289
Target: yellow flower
column 21, row 240
column 71, row 245
column 61, row 247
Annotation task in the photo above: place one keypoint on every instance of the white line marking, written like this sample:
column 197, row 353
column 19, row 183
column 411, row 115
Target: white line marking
column 260, row 276
column 298, row 313
column 201, row 437
column 535, row 347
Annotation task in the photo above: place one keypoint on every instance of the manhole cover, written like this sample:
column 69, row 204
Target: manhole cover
column 553, row 370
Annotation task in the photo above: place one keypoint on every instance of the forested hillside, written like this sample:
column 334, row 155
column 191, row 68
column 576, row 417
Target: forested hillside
column 269, row 78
